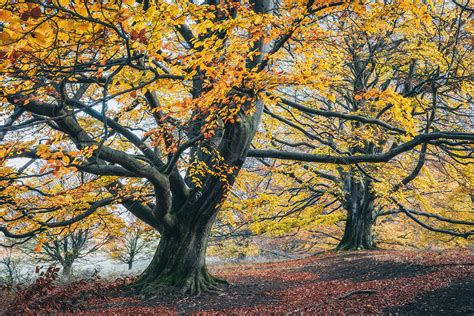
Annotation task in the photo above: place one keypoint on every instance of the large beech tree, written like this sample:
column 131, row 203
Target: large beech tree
column 158, row 101
column 153, row 105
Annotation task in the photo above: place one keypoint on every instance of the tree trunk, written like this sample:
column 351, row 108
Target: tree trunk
column 179, row 264
column 359, row 205
column 130, row 265
column 67, row 271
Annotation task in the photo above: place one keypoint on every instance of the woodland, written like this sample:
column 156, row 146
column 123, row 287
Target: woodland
column 237, row 156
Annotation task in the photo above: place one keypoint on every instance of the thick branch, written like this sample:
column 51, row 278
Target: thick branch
column 351, row 117
column 345, row 160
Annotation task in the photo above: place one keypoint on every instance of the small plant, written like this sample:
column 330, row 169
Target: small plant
column 46, row 295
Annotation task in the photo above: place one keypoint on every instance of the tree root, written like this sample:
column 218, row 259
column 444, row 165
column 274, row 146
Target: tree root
column 350, row 246
column 313, row 308
column 193, row 284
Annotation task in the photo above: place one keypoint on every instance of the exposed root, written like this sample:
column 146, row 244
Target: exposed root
column 194, row 284
column 351, row 246
column 219, row 281
column 214, row 280
column 200, row 283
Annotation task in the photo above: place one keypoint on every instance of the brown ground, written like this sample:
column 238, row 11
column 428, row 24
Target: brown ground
column 377, row 282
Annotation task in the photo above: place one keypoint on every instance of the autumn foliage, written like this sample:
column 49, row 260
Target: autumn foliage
column 318, row 123
column 45, row 295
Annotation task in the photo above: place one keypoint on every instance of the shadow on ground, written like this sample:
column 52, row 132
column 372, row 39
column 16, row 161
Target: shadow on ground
column 360, row 267
column 455, row 299
column 378, row 282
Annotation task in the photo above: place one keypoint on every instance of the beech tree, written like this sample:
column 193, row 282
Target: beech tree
column 154, row 106
column 158, row 100
column 392, row 80
column 68, row 248
column 10, row 268
column 133, row 243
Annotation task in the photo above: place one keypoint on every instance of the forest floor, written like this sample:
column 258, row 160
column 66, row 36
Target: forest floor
column 362, row 282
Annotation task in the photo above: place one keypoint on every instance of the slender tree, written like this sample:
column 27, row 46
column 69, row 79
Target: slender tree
column 68, row 248
column 134, row 243
column 10, row 268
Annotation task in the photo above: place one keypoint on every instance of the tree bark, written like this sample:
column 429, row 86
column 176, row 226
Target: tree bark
column 130, row 265
column 359, row 205
column 67, row 271
column 179, row 264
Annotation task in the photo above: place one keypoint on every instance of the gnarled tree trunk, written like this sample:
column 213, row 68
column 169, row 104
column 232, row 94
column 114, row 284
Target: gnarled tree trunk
column 359, row 205
column 179, row 263
column 67, row 271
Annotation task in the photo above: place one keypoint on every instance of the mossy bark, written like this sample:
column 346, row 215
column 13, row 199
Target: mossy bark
column 359, row 205
column 179, row 264
column 67, row 271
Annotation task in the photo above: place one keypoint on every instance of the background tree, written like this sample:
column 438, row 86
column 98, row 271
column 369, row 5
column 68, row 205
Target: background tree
column 69, row 247
column 391, row 81
column 135, row 242
column 10, row 268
